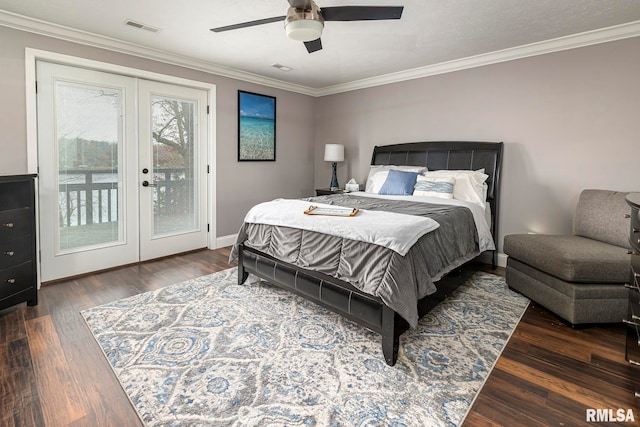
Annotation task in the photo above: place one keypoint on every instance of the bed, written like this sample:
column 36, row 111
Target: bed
column 435, row 275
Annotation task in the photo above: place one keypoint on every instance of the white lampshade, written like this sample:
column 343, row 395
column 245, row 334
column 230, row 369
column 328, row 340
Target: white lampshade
column 334, row 152
column 304, row 30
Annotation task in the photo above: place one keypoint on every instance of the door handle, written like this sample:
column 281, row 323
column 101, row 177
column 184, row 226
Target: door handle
column 146, row 184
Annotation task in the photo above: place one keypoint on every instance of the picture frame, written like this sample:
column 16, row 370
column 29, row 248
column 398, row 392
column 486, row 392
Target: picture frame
column 256, row 127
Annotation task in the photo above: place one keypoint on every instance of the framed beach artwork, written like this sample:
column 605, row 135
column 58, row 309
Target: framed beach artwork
column 256, row 127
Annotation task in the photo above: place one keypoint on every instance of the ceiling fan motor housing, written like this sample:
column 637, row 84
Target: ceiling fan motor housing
column 304, row 25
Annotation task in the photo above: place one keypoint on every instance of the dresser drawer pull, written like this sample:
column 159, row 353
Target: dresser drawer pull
column 628, row 286
column 636, row 395
column 10, row 253
column 8, row 225
column 629, row 322
column 633, row 362
column 635, row 230
column 627, row 215
column 11, row 281
column 634, row 317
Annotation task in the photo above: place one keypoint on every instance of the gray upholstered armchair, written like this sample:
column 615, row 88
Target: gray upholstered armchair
column 579, row 277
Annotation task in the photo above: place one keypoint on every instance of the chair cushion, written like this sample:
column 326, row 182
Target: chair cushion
column 600, row 215
column 570, row 258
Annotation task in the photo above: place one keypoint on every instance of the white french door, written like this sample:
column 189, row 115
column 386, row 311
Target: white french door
column 173, row 169
column 122, row 169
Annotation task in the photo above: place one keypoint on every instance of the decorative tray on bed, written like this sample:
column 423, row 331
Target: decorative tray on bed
column 332, row 211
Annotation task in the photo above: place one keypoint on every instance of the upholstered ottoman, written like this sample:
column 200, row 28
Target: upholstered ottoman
column 579, row 277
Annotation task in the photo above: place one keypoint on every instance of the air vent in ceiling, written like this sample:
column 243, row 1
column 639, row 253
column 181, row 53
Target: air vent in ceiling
column 281, row 67
column 140, row 26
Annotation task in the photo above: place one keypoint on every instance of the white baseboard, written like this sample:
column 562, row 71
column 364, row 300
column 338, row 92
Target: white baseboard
column 502, row 259
column 223, row 241
column 486, row 258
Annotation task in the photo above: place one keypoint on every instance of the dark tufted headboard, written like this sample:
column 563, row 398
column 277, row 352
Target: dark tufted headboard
column 459, row 155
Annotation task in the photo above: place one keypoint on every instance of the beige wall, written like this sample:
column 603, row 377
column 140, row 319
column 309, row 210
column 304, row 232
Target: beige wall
column 569, row 120
column 239, row 184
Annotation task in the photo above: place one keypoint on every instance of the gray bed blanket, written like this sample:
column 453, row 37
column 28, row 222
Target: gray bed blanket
column 400, row 281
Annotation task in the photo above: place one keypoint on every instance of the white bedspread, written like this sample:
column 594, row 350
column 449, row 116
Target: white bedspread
column 394, row 231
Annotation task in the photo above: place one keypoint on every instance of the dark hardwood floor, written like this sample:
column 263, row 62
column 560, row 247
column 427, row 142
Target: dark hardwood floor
column 53, row 374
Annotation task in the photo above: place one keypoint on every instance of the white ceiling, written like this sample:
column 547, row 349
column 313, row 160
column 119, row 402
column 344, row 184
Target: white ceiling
column 430, row 35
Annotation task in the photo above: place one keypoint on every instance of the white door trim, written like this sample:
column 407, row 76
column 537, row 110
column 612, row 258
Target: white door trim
column 32, row 55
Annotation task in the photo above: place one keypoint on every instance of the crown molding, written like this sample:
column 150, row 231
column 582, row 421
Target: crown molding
column 36, row 26
column 588, row 38
column 618, row 32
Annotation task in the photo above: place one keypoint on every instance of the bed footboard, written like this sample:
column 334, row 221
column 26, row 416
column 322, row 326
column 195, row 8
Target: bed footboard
column 329, row 292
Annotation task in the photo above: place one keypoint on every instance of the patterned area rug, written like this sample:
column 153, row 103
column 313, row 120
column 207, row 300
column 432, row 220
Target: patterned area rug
column 208, row 352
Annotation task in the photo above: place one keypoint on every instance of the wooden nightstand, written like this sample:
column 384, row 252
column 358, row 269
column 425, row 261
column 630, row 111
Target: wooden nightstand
column 327, row 191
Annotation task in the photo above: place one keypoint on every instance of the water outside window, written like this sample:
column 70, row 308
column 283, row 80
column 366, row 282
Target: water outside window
column 89, row 142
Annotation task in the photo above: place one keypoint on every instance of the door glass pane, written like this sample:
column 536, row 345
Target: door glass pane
column 175, row 142
column 89, row 139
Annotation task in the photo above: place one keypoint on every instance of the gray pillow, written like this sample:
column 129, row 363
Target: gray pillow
column 600, row 215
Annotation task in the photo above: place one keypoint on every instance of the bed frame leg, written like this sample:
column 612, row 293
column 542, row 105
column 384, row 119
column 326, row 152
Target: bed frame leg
column 242, row 275
column 390, row 340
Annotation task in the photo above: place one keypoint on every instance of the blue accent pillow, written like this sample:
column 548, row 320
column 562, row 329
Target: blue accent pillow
column 399, row 183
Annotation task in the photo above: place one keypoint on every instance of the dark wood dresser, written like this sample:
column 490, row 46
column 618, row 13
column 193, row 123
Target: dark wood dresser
column 633, row 320
column 18, row 280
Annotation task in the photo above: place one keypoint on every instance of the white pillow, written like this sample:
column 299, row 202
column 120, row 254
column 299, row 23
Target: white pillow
column 376, row 181
column 374, row 169
column 468, row 185
column 434, row 187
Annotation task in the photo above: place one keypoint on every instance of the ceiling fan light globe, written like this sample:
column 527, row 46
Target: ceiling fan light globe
column 304, row 30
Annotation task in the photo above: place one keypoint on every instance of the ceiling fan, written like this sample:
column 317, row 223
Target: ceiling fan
column 304, row 20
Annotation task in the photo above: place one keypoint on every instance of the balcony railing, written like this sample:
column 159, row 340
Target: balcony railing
column 91, row 196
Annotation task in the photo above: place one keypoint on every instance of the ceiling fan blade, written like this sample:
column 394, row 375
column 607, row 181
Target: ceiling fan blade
column 361, row 13
column 300, row 4
column 249, row 24
column 313, row 45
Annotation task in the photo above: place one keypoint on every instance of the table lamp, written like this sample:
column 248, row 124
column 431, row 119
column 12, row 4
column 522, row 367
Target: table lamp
column 334, row 153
